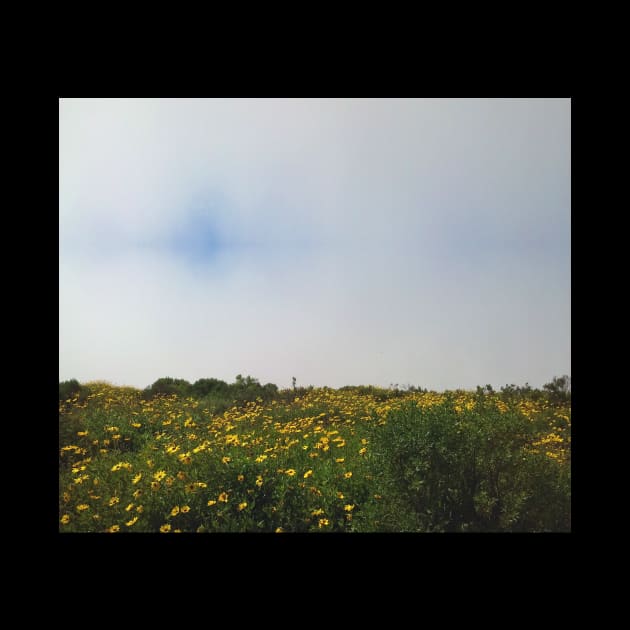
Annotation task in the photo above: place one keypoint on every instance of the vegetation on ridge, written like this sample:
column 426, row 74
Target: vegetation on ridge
column 213, row 457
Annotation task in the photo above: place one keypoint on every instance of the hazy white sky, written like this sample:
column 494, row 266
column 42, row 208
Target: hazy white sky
column 349, row 241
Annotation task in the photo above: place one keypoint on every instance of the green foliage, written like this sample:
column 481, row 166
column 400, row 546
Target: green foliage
column 68, row 388
column 206, row 386
column 559, row 390
column 247, row 457
column 167, row 386
column 466, row 470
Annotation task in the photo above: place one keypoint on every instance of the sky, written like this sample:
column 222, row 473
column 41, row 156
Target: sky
column 338, row 241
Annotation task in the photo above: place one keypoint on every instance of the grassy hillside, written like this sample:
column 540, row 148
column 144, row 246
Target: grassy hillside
column 352, row 460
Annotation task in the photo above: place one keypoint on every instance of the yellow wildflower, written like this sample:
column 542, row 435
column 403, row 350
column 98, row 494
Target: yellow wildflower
column 165, row 528
column 242, row 506
column 308, row 474
column 65, row 519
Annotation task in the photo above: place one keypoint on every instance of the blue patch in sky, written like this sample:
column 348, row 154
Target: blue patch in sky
column 197, row 240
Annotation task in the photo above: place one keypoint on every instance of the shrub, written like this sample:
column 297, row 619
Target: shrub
column 168, row 386
column 68, row 388
column 444, row 468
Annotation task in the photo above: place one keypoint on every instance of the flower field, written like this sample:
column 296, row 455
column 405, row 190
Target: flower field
column 317, row 460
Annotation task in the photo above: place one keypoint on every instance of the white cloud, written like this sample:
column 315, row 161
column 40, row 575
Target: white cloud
column 360, row 241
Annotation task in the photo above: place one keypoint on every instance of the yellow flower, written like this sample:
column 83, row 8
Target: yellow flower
column 82, row 433
column 242, row 506
column 259, row 481
column 226, row 460
column 140, row 509
column 137, row 493
column 211, row 502
column 181, row 475
column 323, row 522
column 165, row 528
column 65, row 519
column 308, row 474
column 202, row 484
column 137, row 478
column 132, row 521
column 241, row 477
column 348, row 508
column 363, row 451
column 223, row 497
column 261, row 458
column 175, row 511
column 82, row 507
column 348, row 475
column 340, row 495
column 279, row 530
column 290, row 472
column 159, row 475
column 317, row 512
column 185, row 508
column 155, row 485
column 113, row 529
column 340, row 460
column 113, row 501
column 129, row 507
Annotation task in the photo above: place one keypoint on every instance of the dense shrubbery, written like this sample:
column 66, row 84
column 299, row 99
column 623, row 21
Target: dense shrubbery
column 247, row 457
column 459, row 469
column 68, row 388
column 216, row 394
